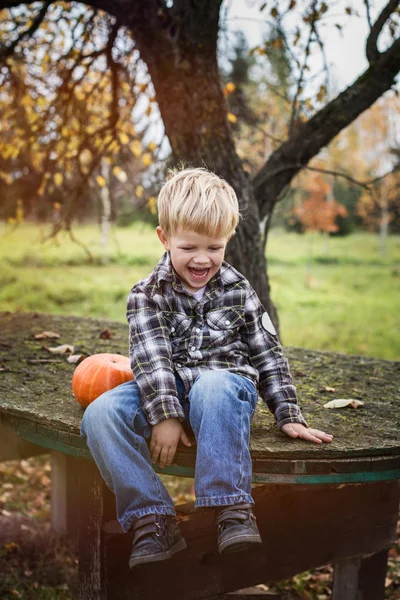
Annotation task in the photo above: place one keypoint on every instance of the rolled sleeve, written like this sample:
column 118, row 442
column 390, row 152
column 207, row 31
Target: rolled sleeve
column 266, row 355
column 151, row 359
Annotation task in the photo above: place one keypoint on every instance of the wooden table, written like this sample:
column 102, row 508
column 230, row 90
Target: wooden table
column 315, row 505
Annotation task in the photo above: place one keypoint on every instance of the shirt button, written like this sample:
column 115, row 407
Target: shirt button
column 198, row 329
column 227, row 322
column 193, row 348
column 172, row 329
column 178, row 365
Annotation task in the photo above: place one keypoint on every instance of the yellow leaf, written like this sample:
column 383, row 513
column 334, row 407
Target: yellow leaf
column 152, row 146
column 148, row 110
column 124, row 139
column 146, row 159
column 139, row 191
column 64, row 131
column 85, row 156
column 58, row 178
column 230, row 87
column 232, row 118
column 136, row 148
column 101, row 182
column 120, row 174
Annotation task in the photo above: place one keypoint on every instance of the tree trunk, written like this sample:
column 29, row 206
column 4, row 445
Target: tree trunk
column 183, row 67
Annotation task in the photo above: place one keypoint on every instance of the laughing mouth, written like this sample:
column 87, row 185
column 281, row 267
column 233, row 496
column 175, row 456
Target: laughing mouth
column 198, row 273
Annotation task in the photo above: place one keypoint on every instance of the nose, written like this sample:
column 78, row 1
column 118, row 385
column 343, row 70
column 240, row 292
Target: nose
column 201, row 258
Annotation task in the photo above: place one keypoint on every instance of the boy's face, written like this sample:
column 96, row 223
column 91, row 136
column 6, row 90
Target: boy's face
column 195, row 257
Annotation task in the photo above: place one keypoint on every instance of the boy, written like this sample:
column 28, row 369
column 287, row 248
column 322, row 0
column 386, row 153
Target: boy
column 202, row 347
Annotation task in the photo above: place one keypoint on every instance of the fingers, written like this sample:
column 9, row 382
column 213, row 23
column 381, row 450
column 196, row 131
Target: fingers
column 324, row 437
column 309, row 437
column 316, row 436
column 155, row 449
column 166, row 454
column 184, row 439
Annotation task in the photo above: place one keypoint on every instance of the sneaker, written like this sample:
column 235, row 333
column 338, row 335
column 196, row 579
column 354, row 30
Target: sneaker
column 237, row 528
column 155, row 538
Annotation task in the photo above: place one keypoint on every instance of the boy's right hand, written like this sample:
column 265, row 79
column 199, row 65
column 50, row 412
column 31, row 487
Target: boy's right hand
column 164, row 441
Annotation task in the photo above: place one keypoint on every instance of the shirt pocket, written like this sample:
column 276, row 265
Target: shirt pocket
column 225, row 319
column 178, row 323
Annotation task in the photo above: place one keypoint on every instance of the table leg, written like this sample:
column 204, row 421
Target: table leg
column 91, row 516
column 361, row 578
column 345, row 579
column 373, row 575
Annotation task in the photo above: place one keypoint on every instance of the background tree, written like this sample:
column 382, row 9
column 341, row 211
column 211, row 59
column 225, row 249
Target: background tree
column 177, row 41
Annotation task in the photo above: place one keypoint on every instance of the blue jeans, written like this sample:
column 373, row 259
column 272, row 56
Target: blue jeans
column 219, row 410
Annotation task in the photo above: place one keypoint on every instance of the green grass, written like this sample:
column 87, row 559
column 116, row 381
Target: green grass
column 346, row 300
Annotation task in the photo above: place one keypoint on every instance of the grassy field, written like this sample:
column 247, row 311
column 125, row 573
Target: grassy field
column 346, row 299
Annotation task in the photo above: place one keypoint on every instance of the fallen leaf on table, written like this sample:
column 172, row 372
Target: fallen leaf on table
column 63, row 349
column 75, row 358
column 343, row 402
column 47, row 335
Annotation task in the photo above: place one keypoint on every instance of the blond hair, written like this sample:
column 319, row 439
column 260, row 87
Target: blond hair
column 194, row 199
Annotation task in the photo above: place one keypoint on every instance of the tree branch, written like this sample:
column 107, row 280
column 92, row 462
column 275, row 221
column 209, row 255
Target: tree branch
column 6, row 51
column 364, row 184
column 310, row 137
column 368, row 9
column 371, row 49
column 300, row 80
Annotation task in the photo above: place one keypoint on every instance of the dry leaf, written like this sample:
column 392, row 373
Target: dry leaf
column 47, row 335
column 63, row 349
column 330, row 389
column 75, row 358
column 343, row 402
column 106, row 334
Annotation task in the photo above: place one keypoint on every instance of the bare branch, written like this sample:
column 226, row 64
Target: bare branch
column 368, row 9
column 301, row 76
column 311, row 136
column 9, row 50
column 371, row 49
column 364, row 184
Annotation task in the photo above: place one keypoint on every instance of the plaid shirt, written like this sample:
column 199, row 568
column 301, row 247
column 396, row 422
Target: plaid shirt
column 171, row 332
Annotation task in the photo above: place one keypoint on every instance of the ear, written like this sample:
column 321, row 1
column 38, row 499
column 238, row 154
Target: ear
column 162, row 236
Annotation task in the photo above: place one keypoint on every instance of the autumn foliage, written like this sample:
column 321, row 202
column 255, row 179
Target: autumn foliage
column 319, row 211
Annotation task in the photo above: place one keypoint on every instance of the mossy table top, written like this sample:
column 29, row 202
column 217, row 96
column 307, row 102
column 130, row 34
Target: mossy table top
column 37, row 403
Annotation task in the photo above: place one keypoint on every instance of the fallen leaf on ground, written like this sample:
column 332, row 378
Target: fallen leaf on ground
column 47, row 335
column 75, row 358
column 63, row 349
column 343, row 402
column 330, row 389
column 106, row 334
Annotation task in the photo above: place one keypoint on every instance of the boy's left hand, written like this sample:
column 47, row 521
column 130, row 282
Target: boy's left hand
column 297, row 430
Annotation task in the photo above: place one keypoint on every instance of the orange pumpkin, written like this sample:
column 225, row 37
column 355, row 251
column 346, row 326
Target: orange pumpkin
column 97, row 374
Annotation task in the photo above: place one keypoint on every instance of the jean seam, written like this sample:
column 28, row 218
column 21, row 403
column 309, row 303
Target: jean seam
column 223, row 500
column 142, row 512
column 239, row 484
